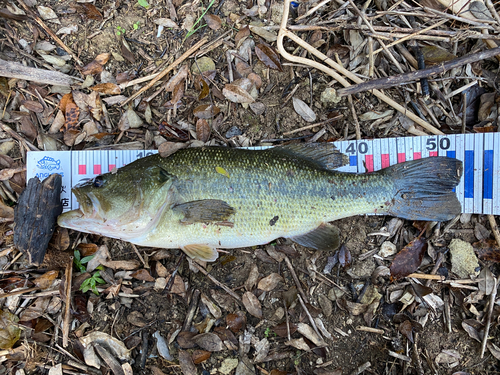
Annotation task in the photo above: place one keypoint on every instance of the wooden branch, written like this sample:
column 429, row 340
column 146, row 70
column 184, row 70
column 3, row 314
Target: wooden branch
column 401, row 79
column 12, row 69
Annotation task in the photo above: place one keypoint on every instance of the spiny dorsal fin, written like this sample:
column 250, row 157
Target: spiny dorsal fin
column 204, row 211
column 324, row 237
column 325, row 155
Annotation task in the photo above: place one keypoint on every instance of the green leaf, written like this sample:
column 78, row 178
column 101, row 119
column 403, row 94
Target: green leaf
column 143, row 3
column 87, row 259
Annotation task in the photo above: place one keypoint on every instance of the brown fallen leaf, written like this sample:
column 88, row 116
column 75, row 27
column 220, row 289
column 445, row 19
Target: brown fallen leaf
column 206, row 111
column 209, row 341
column 177, row 78
column 252, row 304
column 236, row 322
column 268, row 56
column 186, row 362
column 9, row 330
column 168, row 148
column 46, row 280
column 202, row 130
column 303, row 110
column 200, row 356
column 236, row 94
column 270, row 282
column 408, row 260
column 213, row 21
column 185, row 339
column 142, row 275
column 241, row 35
column 107, row 88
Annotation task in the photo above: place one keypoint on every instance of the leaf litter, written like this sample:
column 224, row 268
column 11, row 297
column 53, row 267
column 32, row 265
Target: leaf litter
column 439, row 315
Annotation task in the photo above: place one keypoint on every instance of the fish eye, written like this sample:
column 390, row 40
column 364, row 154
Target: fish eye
column 98, row 181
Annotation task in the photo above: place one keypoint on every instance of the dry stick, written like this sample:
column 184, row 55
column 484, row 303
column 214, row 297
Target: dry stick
column 294, row 275
column 494, row 228
column 354, row 117
column 314, row 125
column 365, row 20
column 169, row 68
column 313, row 323
column 50, row 32
column 67, row 315
column 411, row 36
column 493, row 11
column 284, row 32
column 139, row 256
column 217, row 282
column 490, row 313
column 413, row 76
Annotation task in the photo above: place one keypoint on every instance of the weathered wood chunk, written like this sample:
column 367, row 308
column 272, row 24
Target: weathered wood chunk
column 35, row 216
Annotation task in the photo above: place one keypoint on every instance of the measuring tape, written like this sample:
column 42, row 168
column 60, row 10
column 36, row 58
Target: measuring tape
column 478, row 191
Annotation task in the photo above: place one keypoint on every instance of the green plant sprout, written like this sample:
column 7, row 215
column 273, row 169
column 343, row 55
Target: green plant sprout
column 143, row 3
column 92, row 281
column 120, row 30
column 193, row 30
column 137, row 25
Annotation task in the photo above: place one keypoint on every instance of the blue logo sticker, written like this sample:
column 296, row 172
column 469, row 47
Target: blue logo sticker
column 49, row 163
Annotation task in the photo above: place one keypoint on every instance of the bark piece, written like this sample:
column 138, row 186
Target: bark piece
column 35, row 216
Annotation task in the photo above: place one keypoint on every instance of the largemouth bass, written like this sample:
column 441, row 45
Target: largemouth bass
column 204, row 199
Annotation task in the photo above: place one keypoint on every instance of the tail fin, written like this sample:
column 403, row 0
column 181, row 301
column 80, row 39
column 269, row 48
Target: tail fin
column 425, row 189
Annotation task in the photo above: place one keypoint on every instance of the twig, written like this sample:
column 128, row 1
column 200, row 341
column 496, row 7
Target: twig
column 139, row 256
column 284, row 32
column 490, row 313
column 387, row 82
column 296, row 279
column 314, row 125
column 169, row 68
column 313, row 323
column 494, row 228
column 50, row 32
column 426, row 276
column 411, row 36
column 67, row 313
column 216, row 282
column 355, row 118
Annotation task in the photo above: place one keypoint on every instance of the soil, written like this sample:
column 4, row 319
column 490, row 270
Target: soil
column 140, row 309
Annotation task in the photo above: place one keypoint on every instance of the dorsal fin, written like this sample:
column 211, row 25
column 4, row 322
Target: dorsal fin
column 324, row 155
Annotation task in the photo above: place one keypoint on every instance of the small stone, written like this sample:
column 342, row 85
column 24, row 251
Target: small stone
column 233, row 132
column 203, row 64
column 387, row 249
column 329, row 95
column 463, row 259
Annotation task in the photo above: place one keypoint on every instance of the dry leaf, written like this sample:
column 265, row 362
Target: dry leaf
column 213, row 21
column 166, row 22
column 236, row 94
column 206, row 111
column 253, row 276
column 252, row 304
column 408, row 260
column 9, row 330
column 269, row 36
column 107, row 88
column 186, row 362
column 209, row 341
column 168, row 148
column 180, row 76
column 236, row 322
column 241, row 35
column 46, row 280
column 268, row 57
column 200, row 356
column 202, row 130
column 270, row 282
column 304, row 110
column 142, row 275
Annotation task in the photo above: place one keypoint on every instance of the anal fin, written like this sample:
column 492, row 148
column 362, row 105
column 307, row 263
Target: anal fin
column 324, row 237
column 201, row 252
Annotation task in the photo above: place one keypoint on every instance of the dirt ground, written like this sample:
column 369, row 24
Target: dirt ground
column 359, row 310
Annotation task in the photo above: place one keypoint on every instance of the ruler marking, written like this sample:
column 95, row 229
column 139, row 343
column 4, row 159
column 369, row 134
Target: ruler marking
column 401, row 149
column 477, row 147
column 488, row 174
column 496, row 174
column 478, row 191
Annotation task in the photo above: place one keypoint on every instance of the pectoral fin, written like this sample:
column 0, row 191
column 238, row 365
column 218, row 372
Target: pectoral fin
column 204, row 211
column 201, row 252
column 324, row 237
